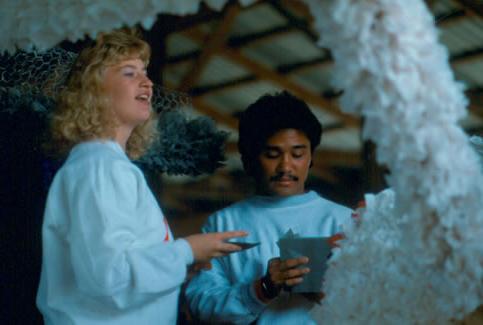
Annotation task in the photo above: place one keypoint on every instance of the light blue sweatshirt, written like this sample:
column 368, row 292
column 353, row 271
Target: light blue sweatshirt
column 225, row 293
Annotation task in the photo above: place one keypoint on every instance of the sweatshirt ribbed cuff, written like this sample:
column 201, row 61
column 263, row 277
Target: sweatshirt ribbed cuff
column 184, row 248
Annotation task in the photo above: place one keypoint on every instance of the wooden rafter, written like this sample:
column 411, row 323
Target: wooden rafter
column 471, row 6
column 267, row 74
column 299, row 23
column 283, row 69
column 214, row 43
column 250, row 39
column 467, row 57
column 298, row 7
column 215, row 114
column 448, row 18
column 430, row 3
column 202, row 107
column 236, row 42
column 321, row 61
column 476, row 109
column 224, row 85
column 324, row 60
column 475, row 106
column 174, row 24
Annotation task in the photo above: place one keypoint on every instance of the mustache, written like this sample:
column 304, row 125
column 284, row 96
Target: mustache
column 279, row 177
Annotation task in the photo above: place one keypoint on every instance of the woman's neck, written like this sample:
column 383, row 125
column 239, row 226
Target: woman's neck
column 122, row 136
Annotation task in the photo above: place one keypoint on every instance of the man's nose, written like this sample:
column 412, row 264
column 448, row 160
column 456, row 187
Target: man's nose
column 285, row 163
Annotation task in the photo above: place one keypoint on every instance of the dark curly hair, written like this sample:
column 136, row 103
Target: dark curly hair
column 268, row 115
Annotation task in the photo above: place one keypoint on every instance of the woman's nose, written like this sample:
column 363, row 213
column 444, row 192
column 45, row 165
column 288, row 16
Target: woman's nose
column 146, row 82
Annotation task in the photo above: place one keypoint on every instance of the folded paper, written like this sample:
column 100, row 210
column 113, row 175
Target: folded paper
column 317, row 249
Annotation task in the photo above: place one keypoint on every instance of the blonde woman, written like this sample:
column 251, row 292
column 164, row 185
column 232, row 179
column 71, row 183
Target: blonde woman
column 109, row 256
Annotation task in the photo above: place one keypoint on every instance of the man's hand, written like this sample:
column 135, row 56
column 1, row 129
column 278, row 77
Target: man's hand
column 207, row 246
column 281, row 274
column 286, row 273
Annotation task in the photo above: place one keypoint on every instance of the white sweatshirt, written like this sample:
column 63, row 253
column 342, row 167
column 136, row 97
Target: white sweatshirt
column 108, row 254
column 225, row 293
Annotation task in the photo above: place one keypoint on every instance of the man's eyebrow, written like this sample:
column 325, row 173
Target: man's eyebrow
column 271, row 147
column 277, row 147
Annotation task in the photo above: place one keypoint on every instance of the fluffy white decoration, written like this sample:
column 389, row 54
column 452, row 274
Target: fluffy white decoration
column 417, row 256
column 44, row 23
column 477, row 143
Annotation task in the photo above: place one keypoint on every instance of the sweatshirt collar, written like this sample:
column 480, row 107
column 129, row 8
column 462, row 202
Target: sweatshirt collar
column 89, row 145
column 284, row 201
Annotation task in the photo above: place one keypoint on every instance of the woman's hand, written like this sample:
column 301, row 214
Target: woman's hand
column 210, row 245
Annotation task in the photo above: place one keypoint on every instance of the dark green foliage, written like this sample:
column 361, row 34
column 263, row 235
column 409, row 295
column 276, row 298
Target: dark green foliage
column 186, row 147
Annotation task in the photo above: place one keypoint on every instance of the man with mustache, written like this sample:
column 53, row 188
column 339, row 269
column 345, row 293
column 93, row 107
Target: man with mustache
column 277, row 137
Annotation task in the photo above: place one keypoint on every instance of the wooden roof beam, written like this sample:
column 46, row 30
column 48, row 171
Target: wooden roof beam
column 452, row 17
column 239, row 41
column 212, row 45
column 467, row 57
column 284, row 69
column 476, row 109
column 204, row 90
column 203, row 108
column 215, row 114
column 475, row 97
column 472, row 7
column 173, row 24
column 267, row 74
column 312, row 98
column 307, row 64
column 298, row 23
column 299, row 7
column 236, row 42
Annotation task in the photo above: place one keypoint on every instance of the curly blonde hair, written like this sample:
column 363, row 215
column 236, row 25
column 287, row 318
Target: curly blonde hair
column 83, row 111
